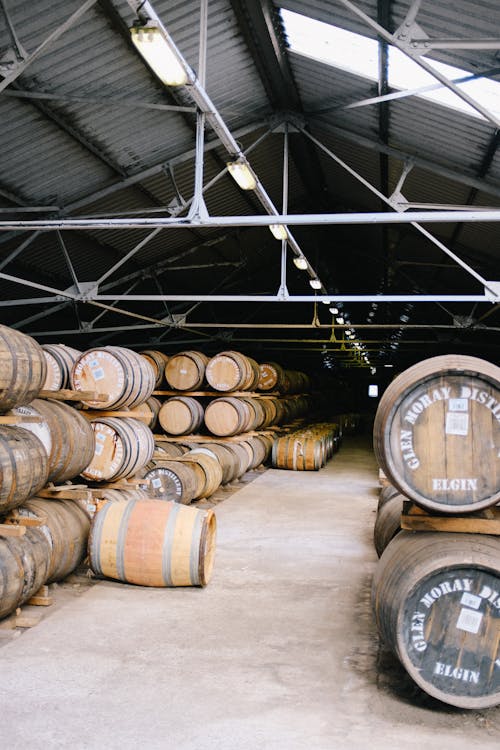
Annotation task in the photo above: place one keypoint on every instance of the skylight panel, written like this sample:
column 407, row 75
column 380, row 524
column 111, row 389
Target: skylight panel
column 358, row 54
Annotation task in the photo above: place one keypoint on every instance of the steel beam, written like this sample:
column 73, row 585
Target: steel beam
column 422, row 163
column 107, row 102
column 368, row 217
column 292, row 298
column 53, row 36
column 414, row 216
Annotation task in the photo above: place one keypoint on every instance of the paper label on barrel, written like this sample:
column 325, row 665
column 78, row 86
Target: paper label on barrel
column 98, row 373
column 469, row 620
column 458, row 404
column 457, row 424
column 471, row 600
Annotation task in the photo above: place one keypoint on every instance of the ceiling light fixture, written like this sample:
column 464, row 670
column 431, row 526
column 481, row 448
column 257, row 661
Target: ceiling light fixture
column 279, row 231
column 340, row 320
column 334, row 310
column 243, row 174
column 315, row 283
column 154, row 47
column 300, row 262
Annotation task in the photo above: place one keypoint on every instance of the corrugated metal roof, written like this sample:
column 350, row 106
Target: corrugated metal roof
column 64, row 151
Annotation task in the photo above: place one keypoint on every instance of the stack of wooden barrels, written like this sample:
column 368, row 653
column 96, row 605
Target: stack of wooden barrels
column 125, row 380
column 436, row 590
column 42, row 540
column 306, row 449
column 39, row 441
column 241, row 409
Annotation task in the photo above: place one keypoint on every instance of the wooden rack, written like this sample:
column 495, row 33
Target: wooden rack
column 13, row 419
column 486, row 521
column 270, row 431
column 67, row 394
column 221, row 394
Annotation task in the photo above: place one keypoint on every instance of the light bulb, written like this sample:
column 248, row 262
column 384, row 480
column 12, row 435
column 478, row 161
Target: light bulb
column 155, row 49
column 278, row 231
column 300, row 262
column 242, row 173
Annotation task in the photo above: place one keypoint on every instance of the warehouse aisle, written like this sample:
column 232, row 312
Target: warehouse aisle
column 278, row 651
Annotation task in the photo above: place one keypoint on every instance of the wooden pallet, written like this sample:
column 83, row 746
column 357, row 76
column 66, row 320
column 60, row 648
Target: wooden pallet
column 486, row 521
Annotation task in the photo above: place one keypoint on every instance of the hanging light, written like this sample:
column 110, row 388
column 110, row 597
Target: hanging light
column 300, row 262
column 279, row 231
column 334, row 310
column 243, row 174
column 340, row 320
column 154, row 47
column 315, row 283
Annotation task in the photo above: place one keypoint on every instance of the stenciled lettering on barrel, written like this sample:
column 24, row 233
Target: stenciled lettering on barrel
column 445, row 440
column 449, row 631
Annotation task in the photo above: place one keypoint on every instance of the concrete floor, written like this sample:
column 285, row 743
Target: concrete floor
column 279, row 651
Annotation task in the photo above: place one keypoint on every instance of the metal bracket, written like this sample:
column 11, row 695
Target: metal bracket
column 87, row 291
column 10, row 61
column 290, row 121
column 492, row 291
column 283, row 293
column 175, row 320
column 463, row 321
column 412, row 38
column 398, row 202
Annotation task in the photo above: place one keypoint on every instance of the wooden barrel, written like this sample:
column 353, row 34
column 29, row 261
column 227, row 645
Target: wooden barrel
column 123, row 375
column 23, row 368
column 124, row 494
column 66, row 527
column 388, row 520
column 157, row 360
column 181, row 415
column 227, row 458
column 170, row 480
column 231, row 371
column 436, row 598
column 270, row 376
column 24, row 466
column 437, row 433
column 211, row 468
column 153, row 543
column 385, row 495
column 168, row 450
column 154, row 405
column 24, row 562
column 228, row 416
column 259, row 451
column 122, row 447
column 66, row 435
column 60, row 360
column 242, row 456
column 294, row 381
column 297, row 453
column 185, row 371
